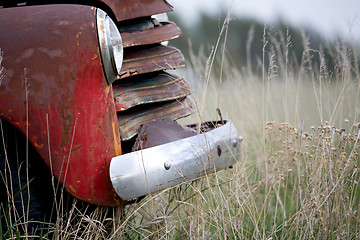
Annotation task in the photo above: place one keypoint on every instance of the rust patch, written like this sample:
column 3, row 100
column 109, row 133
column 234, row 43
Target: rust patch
column 72, row 188
column 156, row 133
column 151, row 59
column 165, row 32
column 67, row 152
column 150, row 89
column 134, row 9
column 130, row 121
column 67, row 122
column 34, row 141
column 117, row 146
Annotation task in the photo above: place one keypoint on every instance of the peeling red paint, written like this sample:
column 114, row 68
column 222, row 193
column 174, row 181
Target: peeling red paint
column 70, row 104
column 68, row 99
column 94, row 57
column 34, row 141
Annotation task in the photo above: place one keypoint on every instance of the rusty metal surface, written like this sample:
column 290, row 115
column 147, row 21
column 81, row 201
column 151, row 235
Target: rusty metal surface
column 137, row 24
column 165, row 32
column 53, row 75
column 129, row 9
column 122, row 9
column 151, row 59
column 130, row 121
column 156, row 133
column 163, row 87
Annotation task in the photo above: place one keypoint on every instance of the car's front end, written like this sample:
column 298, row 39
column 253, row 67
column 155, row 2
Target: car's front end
column 82, row 80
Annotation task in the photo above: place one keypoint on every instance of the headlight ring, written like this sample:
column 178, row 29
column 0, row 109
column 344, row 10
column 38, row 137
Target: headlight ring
column 111, row 46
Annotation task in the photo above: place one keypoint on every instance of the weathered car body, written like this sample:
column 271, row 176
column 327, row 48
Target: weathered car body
column 57, row 90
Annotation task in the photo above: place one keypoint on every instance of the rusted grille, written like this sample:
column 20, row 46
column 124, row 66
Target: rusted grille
column 145, row 91
column 130, row 122
column 149, row 89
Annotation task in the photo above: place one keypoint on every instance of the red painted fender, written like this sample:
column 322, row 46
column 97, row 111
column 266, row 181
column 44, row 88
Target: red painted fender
column 54, row 91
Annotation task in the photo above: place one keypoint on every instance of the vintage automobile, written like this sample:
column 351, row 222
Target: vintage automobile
column 88, row 87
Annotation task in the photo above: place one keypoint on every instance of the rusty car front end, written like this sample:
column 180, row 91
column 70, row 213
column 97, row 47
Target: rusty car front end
column 80, row 81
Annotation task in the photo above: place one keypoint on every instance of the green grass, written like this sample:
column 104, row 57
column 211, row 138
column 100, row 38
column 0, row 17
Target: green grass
column 297, row 176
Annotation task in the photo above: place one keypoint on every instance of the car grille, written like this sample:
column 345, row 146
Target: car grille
column 146, row 90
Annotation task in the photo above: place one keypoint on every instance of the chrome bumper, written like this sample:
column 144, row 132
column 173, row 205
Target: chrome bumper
column 149, row 170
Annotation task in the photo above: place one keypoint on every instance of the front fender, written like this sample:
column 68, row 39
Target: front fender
column 54, row 91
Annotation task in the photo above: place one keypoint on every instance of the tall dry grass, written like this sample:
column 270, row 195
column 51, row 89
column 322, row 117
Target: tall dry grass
column 297, row 176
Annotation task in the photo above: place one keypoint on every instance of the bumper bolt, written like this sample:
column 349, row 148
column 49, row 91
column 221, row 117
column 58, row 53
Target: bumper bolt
column 167, row 165
column 236, row 141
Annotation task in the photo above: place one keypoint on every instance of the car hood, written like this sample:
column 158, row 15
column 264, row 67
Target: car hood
column 120, row 9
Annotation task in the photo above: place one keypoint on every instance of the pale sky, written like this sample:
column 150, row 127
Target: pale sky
column 326, row 16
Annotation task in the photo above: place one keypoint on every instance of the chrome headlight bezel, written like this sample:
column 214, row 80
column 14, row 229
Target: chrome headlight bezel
column 111, row 46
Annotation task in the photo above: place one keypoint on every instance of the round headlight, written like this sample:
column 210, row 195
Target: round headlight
column 111, row 47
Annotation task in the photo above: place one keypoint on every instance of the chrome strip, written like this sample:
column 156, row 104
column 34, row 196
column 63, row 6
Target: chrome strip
column 104, row 23
column 143, row 172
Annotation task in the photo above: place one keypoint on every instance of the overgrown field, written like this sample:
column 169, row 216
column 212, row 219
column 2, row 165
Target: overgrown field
column 297, row 176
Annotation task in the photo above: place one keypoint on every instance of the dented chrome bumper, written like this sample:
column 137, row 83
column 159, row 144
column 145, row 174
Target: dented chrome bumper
column 149, row 170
